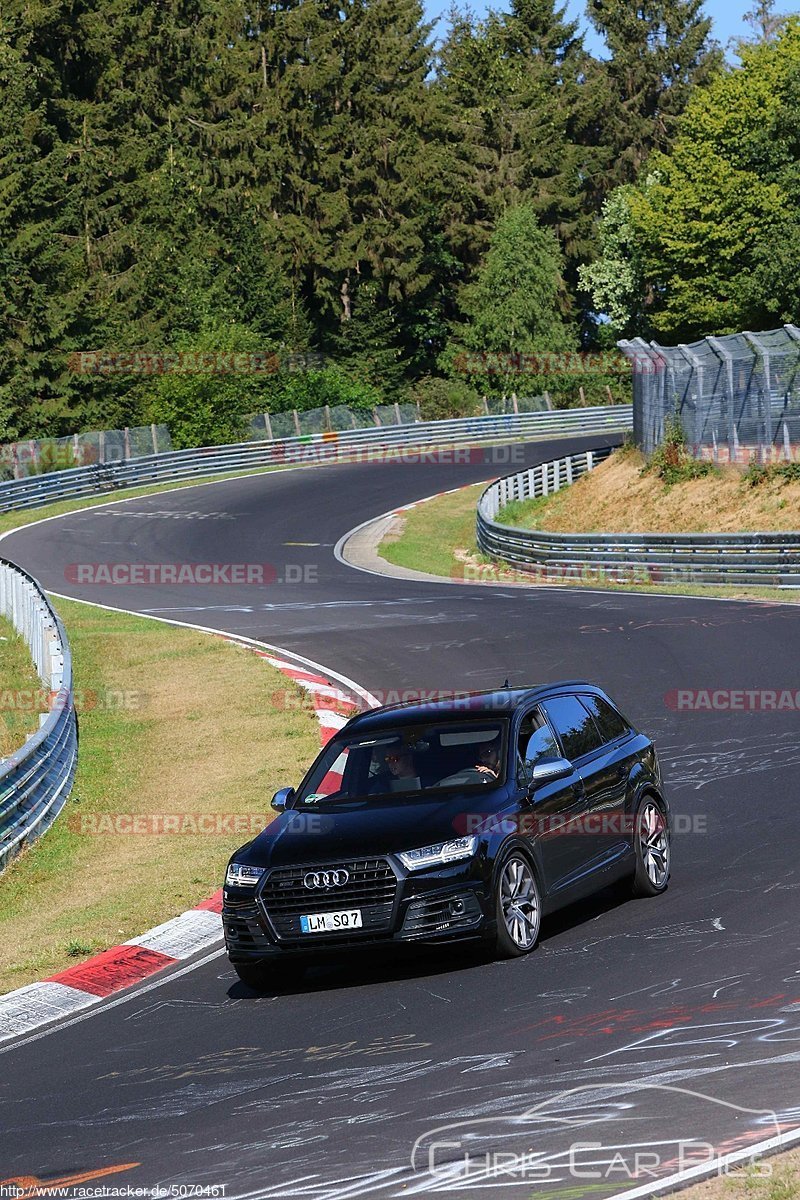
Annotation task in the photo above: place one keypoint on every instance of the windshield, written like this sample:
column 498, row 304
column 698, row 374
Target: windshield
column 415, row 759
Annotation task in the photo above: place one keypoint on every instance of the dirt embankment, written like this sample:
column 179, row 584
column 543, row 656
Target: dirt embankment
column 617, row 498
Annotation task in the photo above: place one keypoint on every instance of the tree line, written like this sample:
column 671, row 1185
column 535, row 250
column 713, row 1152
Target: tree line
column 208, row 176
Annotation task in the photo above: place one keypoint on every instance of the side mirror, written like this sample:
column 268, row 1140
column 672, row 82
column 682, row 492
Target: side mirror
column 282, row 798
column 546, row 770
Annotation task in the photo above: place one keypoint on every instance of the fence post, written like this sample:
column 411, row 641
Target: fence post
column 126, row 436
column 397, row 413
column 101, row 449
column 328, row 422
column 375, row 416
column 154, row 436
column 515, row 404
column 268, row 427
column 548, row 402
column 485, row 406
column 296, row 422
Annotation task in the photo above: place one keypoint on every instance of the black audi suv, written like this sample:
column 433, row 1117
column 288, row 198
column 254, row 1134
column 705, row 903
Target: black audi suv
column 465, row 818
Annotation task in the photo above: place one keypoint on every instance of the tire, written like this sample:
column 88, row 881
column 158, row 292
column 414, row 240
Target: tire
column 651, row 844
column 518, row 907
column 268, row 977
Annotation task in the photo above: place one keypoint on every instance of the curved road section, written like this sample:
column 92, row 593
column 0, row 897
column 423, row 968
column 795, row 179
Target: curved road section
column 641, row 1039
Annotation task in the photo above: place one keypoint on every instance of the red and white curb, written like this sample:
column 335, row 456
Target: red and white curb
column 122, row 966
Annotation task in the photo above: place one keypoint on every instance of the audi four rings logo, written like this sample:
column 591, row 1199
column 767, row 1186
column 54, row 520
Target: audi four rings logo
column 326, row 879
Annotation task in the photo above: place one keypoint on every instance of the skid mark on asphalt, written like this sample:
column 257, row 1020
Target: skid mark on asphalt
column 745, row 614
column 702, row 763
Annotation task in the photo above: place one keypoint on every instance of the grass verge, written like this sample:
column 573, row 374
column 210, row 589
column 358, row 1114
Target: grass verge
column 782, row 1182
column 173, row 722
column 439, row 537
column 22, row 694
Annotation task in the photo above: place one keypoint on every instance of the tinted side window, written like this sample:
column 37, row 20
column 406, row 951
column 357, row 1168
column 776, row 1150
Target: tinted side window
column 535, row 739
column 574, row 725
column 607, row 719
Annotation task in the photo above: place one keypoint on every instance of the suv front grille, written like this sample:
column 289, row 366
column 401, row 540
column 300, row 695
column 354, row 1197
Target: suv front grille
column 371, row 888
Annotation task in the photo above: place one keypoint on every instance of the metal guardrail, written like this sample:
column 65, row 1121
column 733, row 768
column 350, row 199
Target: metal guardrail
column 755, row 559
column 35, row 780
column 348, row 445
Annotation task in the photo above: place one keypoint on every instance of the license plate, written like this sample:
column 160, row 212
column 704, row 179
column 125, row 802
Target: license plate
column 331, row 922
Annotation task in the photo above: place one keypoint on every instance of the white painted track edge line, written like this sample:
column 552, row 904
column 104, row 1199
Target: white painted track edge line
column 683, row 1179
column 231, row 637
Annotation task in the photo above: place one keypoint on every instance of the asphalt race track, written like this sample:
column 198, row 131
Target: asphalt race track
column 653, row 1030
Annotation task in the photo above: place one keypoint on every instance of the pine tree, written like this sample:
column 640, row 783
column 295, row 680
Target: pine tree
column 41, row 314
column 517, row 84
column 512, row 307
column 659, row 50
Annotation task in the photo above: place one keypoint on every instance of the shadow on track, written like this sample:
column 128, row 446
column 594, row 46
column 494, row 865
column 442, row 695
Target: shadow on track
column 398, row 963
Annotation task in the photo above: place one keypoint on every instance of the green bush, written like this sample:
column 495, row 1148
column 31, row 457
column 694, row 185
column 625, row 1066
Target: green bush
column 671, row 461
column 443, row 399
column 309, row 389
column 757, row 473
column 210, row 408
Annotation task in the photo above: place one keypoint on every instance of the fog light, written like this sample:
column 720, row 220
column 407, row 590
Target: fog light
column 456, row 907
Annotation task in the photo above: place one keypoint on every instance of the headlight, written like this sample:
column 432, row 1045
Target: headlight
column 240, row 875
column 439, row 855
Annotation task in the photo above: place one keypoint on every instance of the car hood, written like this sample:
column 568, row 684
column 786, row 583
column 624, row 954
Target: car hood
column 374, row 826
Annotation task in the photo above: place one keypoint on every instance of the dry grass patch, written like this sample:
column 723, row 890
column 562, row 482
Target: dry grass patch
column 174, row 722
column 617, row 498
